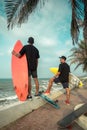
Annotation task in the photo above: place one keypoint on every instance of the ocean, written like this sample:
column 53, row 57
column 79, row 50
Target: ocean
column 8, row 95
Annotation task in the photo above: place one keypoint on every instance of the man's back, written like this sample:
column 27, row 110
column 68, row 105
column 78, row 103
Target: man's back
column 32, row 54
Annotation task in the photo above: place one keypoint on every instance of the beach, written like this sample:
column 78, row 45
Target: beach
column 48, row 37
column 46, row 117
column 8, row 95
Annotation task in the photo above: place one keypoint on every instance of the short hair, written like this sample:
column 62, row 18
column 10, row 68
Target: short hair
column 63, row 57
column 30, row 40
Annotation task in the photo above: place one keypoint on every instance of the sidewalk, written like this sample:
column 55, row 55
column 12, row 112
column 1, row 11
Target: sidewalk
column 46, row 117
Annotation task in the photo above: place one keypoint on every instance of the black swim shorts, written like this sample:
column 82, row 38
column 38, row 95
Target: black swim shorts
column 32, row 73
column 65, row 84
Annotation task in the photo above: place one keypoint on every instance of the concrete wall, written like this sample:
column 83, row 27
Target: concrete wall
column 20, row 109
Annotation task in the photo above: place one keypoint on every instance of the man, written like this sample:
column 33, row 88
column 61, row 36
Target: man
column 32, row 55
column 62, row 76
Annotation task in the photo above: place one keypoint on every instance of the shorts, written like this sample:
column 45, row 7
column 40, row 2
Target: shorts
column 65, row 84
column 32, row 73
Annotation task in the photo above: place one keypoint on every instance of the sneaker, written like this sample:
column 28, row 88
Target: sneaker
column 29, row 97
column 36, row 95
column 47, row 92
column 56, row 101
column 67, row 102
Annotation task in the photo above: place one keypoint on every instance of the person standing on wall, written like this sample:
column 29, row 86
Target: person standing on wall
column 32, row 55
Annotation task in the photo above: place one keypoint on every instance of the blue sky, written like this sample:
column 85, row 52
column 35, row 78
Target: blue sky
column 50, row 26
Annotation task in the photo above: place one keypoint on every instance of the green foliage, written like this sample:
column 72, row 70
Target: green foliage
column 77, row 15
column 79, row 55
column 17, row 11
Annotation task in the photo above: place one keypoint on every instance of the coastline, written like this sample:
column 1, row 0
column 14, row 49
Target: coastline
column 21, row 109
column 46, row 117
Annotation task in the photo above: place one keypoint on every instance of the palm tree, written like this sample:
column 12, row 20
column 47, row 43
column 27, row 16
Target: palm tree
column 18, row 11
column 79, row 55
column 77, row 15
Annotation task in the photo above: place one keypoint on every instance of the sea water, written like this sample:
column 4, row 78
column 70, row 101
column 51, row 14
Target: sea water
column 8, row 95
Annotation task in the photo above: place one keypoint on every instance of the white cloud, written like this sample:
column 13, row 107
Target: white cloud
column 47, row 60
column 47, row 42
column 61, row 52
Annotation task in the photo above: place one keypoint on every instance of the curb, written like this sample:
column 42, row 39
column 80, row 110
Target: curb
column 20, row 109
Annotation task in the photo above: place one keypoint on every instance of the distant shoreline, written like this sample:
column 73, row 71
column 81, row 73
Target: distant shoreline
column 46, row 78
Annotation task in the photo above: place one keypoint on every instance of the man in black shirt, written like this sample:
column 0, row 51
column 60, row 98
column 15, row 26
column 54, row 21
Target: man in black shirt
column 32, row 55
column 62, row 76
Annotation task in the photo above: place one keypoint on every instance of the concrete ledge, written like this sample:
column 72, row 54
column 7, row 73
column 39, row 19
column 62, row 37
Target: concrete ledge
column 82, row 120
column 18, row 110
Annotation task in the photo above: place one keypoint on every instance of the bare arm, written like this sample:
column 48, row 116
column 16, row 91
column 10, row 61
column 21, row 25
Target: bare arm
column 58, row 73
column 16, row 54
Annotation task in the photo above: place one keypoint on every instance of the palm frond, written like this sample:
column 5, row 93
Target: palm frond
column 77, row 13
column 74, row 30
column 70, row 57
column 11, row 8
column 85, row 68
column 73, row 49
column 77, row 66
column 79, row 55
column 85, row 65
column 79, row 8
column 80, row 23
column 18, row 11
column 73, row 61
column 82, row 45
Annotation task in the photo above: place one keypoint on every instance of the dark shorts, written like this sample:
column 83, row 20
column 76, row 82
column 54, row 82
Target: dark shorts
column 32, row 73
column 65, row 84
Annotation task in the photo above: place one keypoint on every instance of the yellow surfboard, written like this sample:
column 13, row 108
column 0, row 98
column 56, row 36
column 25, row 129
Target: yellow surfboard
column 73, row 80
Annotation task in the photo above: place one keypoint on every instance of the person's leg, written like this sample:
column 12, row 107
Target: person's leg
column 29, row 86
column 55, row 80
column 34, row 75
column 68, row 94
column 37, row 85
column 50, row 84
column 66, row 87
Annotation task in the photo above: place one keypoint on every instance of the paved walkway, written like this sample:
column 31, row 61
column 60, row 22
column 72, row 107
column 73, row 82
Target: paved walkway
column 46, row 117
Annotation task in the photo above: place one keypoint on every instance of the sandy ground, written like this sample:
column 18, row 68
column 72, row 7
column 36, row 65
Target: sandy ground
column 46, row 117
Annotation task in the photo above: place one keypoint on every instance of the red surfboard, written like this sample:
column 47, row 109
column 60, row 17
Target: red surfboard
column 20, row 73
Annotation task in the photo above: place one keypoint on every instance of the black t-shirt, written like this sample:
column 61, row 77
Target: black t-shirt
column 64, row 70
column 32, row 54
